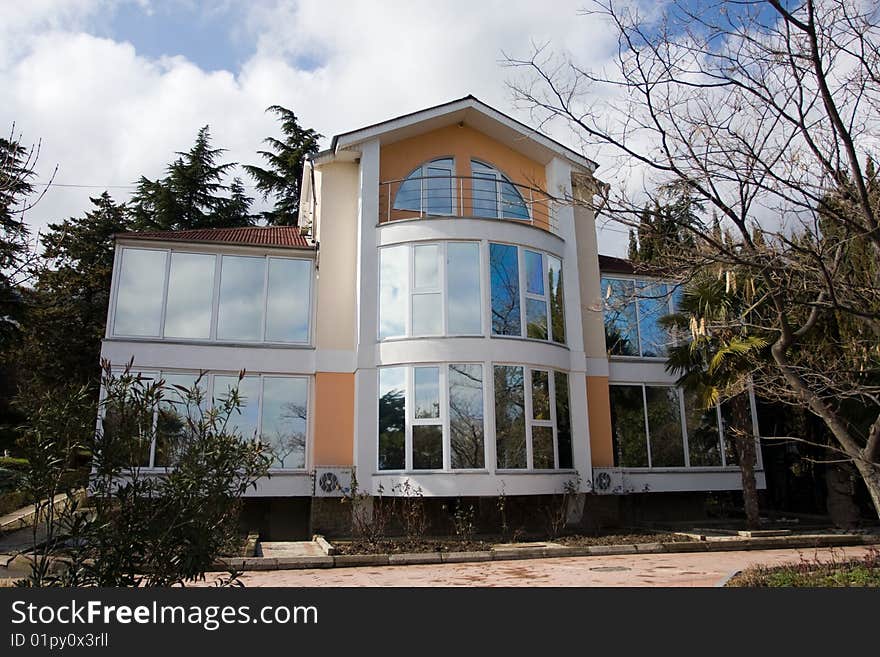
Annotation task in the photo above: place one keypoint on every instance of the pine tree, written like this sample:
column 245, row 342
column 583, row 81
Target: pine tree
column 15, row 188
column 67, row 308
column 283, row 176
column 192, row 193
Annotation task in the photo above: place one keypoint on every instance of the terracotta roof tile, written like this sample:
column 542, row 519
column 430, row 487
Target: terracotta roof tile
column 283, row 236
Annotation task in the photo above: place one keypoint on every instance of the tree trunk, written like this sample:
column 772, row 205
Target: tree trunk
column 745, row 447
column 871, row 476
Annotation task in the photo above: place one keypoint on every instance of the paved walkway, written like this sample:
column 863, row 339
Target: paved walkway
column 683, row 569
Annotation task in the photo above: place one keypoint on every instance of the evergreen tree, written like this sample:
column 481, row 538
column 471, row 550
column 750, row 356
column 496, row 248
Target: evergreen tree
column 15, row 188
column 192, row 193
column 283, row 176
column 65, row 322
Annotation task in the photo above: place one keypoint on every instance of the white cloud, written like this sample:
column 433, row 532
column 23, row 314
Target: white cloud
column 107, row 115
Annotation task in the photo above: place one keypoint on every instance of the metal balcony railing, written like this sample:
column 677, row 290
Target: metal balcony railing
column 466, row 196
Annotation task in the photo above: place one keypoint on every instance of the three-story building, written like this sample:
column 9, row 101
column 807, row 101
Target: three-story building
column 443, row 318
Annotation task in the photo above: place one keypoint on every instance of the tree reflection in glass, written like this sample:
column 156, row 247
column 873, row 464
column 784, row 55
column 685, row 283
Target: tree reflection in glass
column 628, row 426
column 664, row 426
column 557, row 308
column 510, row 420
column 704, row 440
column 284, row 414
column 466, row 416
column 621, row 325
column 563, row 420
column 392, row 418
column 504, row 278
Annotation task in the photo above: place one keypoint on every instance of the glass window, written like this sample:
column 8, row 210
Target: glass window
column 653, row 304
column 534, row 272
column 664, row 427
column 510, row 426
column 563, row 420
column 466, row 416
column 731, row 455
column 392, row 418
column 628, row 426
column 464, row 298
column 190, row 296
column 512, row 204
column 284, row 416
column 426, row 266
column 241, row 298
column 427, row 392
column 504, row 276
column 139, row 294
column 245, row 421
column 704, row 441
column 175, row 412
column 393, row 290
column 542, row 448
column 287, row 304
column 438, row 190
column 428, row 188
column 540, row 395
column 621, row 325
column 427, row 448
column 557, row 305
column 536, row 319
column 485, row 195
column 427, row 310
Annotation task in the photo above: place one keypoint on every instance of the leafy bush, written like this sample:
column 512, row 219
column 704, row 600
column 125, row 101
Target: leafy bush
column 143, row 529
column 835, row 572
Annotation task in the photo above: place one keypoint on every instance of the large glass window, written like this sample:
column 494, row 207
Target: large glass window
column 427, row 305
column 563, row 421
column 536, row 297
column 288, row 300
column 284, row 415
column 273, row 408
column 427, row 430
column 633, row 310
column 190, row 295
column 504, row 277
column 510, row 417
column 466, row 416
column 650, row 430
column 445, row 288
column 464, row 300
column 392, row 418
column 242, row 280
column 139, row 292
column 186, row 297
column 494, row 195
column 557, row 306
column 429, row 189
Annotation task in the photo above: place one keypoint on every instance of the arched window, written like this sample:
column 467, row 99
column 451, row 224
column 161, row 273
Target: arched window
column 428, row 189
column 494, row 195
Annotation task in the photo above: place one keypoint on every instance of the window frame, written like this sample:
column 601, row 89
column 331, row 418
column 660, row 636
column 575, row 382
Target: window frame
column 636, row 281
column 500, row 179
column 209, row 383
column 722, row 440
column 423, row 176
column 215, row 297
column 488, row 409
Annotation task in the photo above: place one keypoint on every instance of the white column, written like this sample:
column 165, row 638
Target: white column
column 558, row 173
column 366, row 383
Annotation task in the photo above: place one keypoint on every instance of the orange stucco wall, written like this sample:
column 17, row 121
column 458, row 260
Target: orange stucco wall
column 334, row 418
column 463, row 143
column 599, row 405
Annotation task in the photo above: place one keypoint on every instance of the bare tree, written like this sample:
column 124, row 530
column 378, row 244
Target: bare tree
column 764, row 112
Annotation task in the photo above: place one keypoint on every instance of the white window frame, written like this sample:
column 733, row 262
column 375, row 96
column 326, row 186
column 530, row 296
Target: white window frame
column 670, row 288
column 442, row 421
column 208, row 381
column 499, row 178
column 722, row 440
column 423, row 175
column 215, row 298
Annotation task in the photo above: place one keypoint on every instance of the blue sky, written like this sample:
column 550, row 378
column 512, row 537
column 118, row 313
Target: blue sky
column 210, row 35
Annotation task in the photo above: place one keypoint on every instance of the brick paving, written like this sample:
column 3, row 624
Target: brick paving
column 682, row 569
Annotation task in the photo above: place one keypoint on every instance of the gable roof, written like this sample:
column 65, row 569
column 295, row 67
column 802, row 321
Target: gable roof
column 612, row 265
column 280, row 236
column 469, row 109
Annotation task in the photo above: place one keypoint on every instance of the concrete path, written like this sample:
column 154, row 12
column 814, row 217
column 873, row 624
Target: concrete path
column 683, row 569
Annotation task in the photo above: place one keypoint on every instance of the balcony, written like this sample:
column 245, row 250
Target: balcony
column 480, row 196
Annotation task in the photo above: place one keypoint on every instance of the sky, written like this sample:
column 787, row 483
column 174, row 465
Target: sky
column 112, row 88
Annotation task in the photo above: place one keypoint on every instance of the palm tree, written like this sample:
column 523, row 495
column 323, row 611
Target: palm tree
column 716, row 362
